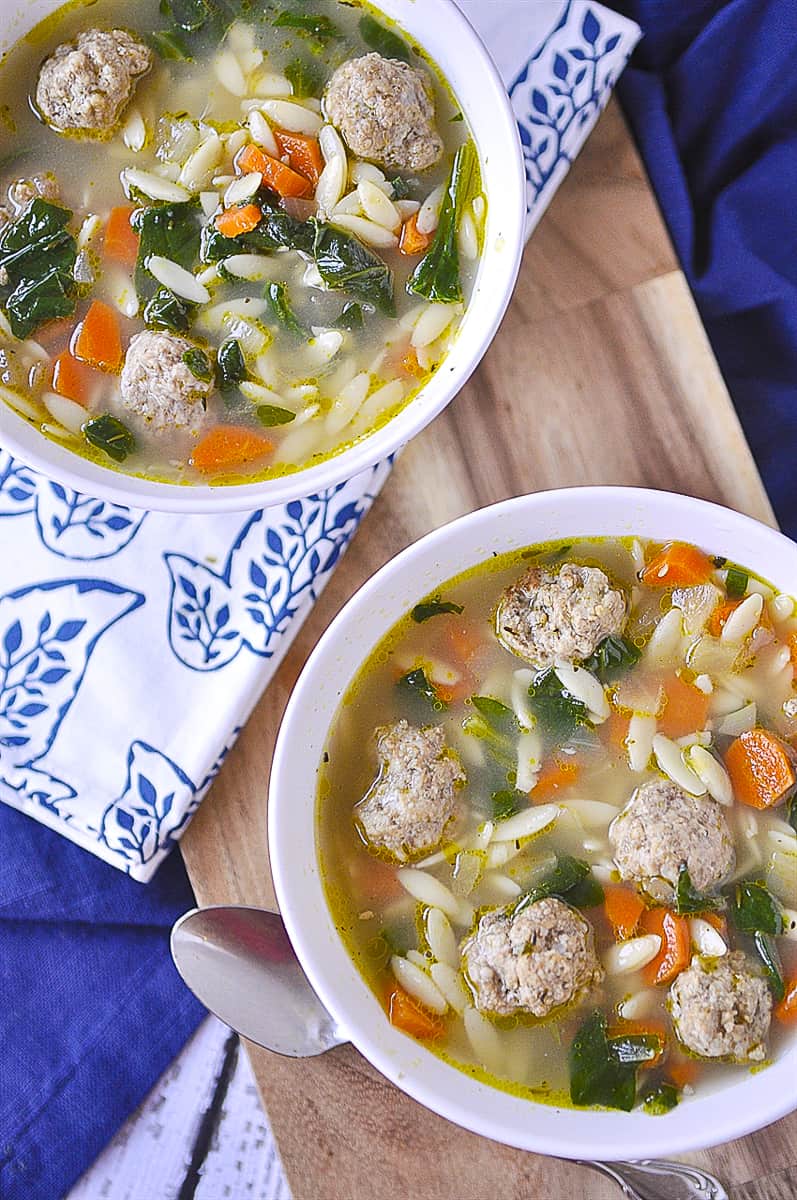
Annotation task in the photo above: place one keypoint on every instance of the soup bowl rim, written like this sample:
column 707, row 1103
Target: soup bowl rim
column 730, row 1111
column 484, row 99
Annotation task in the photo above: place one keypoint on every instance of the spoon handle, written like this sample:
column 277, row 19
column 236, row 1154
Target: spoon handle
column 652, row 1179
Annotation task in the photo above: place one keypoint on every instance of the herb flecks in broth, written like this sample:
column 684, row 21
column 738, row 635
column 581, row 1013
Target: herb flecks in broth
column 619, row 867
column 227, row 178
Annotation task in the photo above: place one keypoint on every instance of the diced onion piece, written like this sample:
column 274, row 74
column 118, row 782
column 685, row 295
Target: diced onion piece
column 529, row 760
column 429, row 890
column 584, row 686
column 433, row 323
column 440, row 937
column 262, row 132
column 712, row 773
column 526, row 824
column 429, row 214
column 153, row 186
column 377, row 207
column 177, row 279
column 468, row 870
column 368, row 232
column 449, row 982
column 669, row 757
column 295, row 118
column 242, row 189
column 134, row 131
column 66, row 412
column 706, row 939
column 272, row 84
column 632, row 955
column 743, row 620
column 229, row 73
column 697, row 604
column 418, row 984
column 592, row 814
column 739, row 722
column 639, row 743
column 252, row 267
column 485, row 1041
column 638, row 1005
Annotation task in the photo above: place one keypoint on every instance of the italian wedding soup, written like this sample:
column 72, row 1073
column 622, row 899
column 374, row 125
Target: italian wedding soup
column 235, row 235
column 556, row 823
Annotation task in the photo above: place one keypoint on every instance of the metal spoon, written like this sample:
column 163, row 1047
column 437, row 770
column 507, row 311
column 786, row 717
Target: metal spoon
column 239, row 962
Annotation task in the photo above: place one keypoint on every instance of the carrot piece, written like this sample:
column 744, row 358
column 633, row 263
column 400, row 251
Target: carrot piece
column 554, row 777
column 716, row 622
column 760, row 768
column 675, row 944
column 410, row 365
column 623, row 908
column 98, row 340
column 614, row 731
column 678, row 565
column 412, row 241
column 652, row 1027
column 121, row 239
column 686, row 709
column 235, row 221
column 683, row 1071
column 228, row 446
column 276, row 175
column 73, row 379
column 786, row 1009
column 465, row 641
column 411, row 1017
column 304, row 153
column 377, row 879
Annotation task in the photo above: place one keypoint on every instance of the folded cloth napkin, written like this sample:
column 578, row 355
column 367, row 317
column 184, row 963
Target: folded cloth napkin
column 711, row 96
column 134, row 645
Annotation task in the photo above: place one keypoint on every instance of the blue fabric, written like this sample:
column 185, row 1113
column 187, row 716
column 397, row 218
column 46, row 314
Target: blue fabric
column 712, row 97
column 91, row 1009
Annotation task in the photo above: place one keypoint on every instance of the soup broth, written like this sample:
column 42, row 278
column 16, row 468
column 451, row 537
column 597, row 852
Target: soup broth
column 300, row 274
column 470, row 834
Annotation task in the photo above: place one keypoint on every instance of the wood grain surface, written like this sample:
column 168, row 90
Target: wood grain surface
column 601, row 374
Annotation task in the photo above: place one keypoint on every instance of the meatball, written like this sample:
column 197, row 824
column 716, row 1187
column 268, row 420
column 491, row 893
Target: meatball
column 85, row 85
column 534, row 960
column 661, row 828
column 721, row 1009
column 414, row 798
column 543, row 617
column 158, row 385
column 385, row 111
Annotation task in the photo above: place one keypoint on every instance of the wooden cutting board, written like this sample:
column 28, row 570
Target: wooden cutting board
column 601, row 374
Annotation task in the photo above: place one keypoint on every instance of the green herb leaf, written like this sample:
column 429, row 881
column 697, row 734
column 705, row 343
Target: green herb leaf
column 437, row 275
column 498, row 716
column 773, row 967
column 270, row 415
column 613, row 657
column 230, row 364
column 756, row 910
column 108, row 433
column 416, row 684
column 660, row 1100
column 570, row 880
column 586, row 894
column 309, row 24
column 688, row 900
column 37, row 254
column 351, row 318
column 187, row 14
column 402, row 189
column 506, row 803
column 279, row 306
column 736, row 582
column 635, row 1048
column 596, row 1077
column 558, row 713
column 170, row 45
column 791, row 812
column 384, row 41
column 169, row 230
column 345, row 263
column 435, row 607
column 198, row 364
column 167, row 311
column 307, row 77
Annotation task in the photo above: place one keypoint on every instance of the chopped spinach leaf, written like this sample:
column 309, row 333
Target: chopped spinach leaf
column 596, row 1076
column 437, row 276
column 214, row 246
column 383, row 41
column 187, row 14
column 688, row 900
column 506, row 803
column 571, row 880
column 497, row 715
column 756, row 910
column 169, row 230
column 635, row 1047
column 306, row 77
column 791, row 812
column 351, row 318
column 170, row 45
column 435, row 607
column 402, row 188
column 344, row 262
column 108, row 433
column 271, row 415
column 773, row 967
column 613, row 657
column 660, row 1099
column 198, row 364
column 310, row 24
column 167, row 311
column 558, row 713
column 279, row 305
column 231, row 368
column 415, row 683
column 588, row 893
column 37, row 255
column 736, row 582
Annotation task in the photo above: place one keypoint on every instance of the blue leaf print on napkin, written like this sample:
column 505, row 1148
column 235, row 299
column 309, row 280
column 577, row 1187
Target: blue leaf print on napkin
column 17, row 487
column 152, row 808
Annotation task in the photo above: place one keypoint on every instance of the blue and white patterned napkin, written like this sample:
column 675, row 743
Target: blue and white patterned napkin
column 133, row 646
